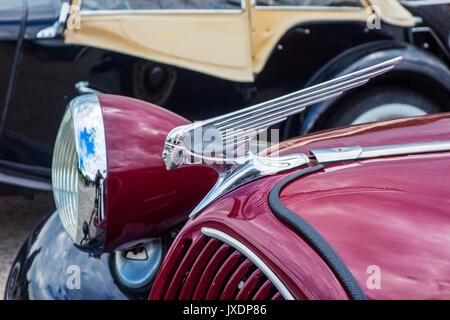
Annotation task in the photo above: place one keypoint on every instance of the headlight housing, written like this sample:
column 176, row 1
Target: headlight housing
column 110, row 183
column 79, row 169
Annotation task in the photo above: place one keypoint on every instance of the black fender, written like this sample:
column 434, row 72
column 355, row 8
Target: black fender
column 44, row 264
column 427, row 70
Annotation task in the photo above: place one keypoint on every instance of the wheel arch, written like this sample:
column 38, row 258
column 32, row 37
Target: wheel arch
column 419, row 71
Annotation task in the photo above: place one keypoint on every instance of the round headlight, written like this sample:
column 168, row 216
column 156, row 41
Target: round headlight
column 110, row 183
column 64, row 175
column 78, row 171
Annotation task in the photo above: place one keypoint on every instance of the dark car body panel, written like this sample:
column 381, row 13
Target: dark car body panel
column 44, row 262
column 41, row 14
column 419, row 70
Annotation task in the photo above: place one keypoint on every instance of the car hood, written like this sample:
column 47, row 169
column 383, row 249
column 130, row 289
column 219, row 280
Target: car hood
column 429, row 128
column 388, row 216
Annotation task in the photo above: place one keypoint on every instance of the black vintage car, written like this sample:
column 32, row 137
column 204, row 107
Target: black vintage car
column 52, row 50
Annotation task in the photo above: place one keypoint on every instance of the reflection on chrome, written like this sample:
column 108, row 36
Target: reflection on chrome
column 79, row 170
column 235, row 130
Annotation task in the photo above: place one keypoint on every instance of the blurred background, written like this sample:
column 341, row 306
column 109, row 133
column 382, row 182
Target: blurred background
column 18, row 217
column 200, row 58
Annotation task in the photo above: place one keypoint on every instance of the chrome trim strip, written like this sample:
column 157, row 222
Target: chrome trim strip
column 159, row 12
column 164, row 11
column 230, row 179
column 424, row 3
column 308, row 8
column 403, row 149
column 359, row 153
column 24, row 182
column 336, row 154
column 252, row 257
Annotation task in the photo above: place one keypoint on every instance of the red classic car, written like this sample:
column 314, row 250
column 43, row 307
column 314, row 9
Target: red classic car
column 359, row 212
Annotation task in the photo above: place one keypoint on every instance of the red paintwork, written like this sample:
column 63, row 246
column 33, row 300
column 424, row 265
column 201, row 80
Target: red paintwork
column 205, row 280
column 392, row 212
column 250, row 285
column 197, row 268
column 245, row 215
column 234, row 280
column 264, row 291
column 218, row 280
column 143, row 198
column 411, row 130
column 208, row 269
column 192, row 253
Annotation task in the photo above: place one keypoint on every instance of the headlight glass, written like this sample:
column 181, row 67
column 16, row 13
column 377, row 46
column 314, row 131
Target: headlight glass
column 79, row 170
column 64, row 175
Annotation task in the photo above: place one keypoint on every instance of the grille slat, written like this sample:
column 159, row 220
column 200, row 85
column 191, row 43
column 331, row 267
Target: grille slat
column 264, row 291
column 210, row 269
column 184, row 267
column 172, row 264
column 250, row 285
column 222, row 274
column 277, row 296
column 233, row 283
column 197, row 269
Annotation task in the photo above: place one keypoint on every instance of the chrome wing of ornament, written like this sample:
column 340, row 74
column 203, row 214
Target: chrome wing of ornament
column 223, row 143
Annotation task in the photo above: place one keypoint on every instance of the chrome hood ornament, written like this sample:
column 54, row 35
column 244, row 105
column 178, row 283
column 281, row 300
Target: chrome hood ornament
column 223, row 143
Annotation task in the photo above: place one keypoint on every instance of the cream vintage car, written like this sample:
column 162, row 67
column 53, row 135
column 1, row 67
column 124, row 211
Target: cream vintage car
column 203, row 58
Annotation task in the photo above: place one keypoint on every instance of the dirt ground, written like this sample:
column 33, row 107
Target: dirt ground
column 18, row 216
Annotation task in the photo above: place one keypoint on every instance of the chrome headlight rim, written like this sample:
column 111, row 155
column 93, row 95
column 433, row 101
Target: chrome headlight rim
column 84, row 182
